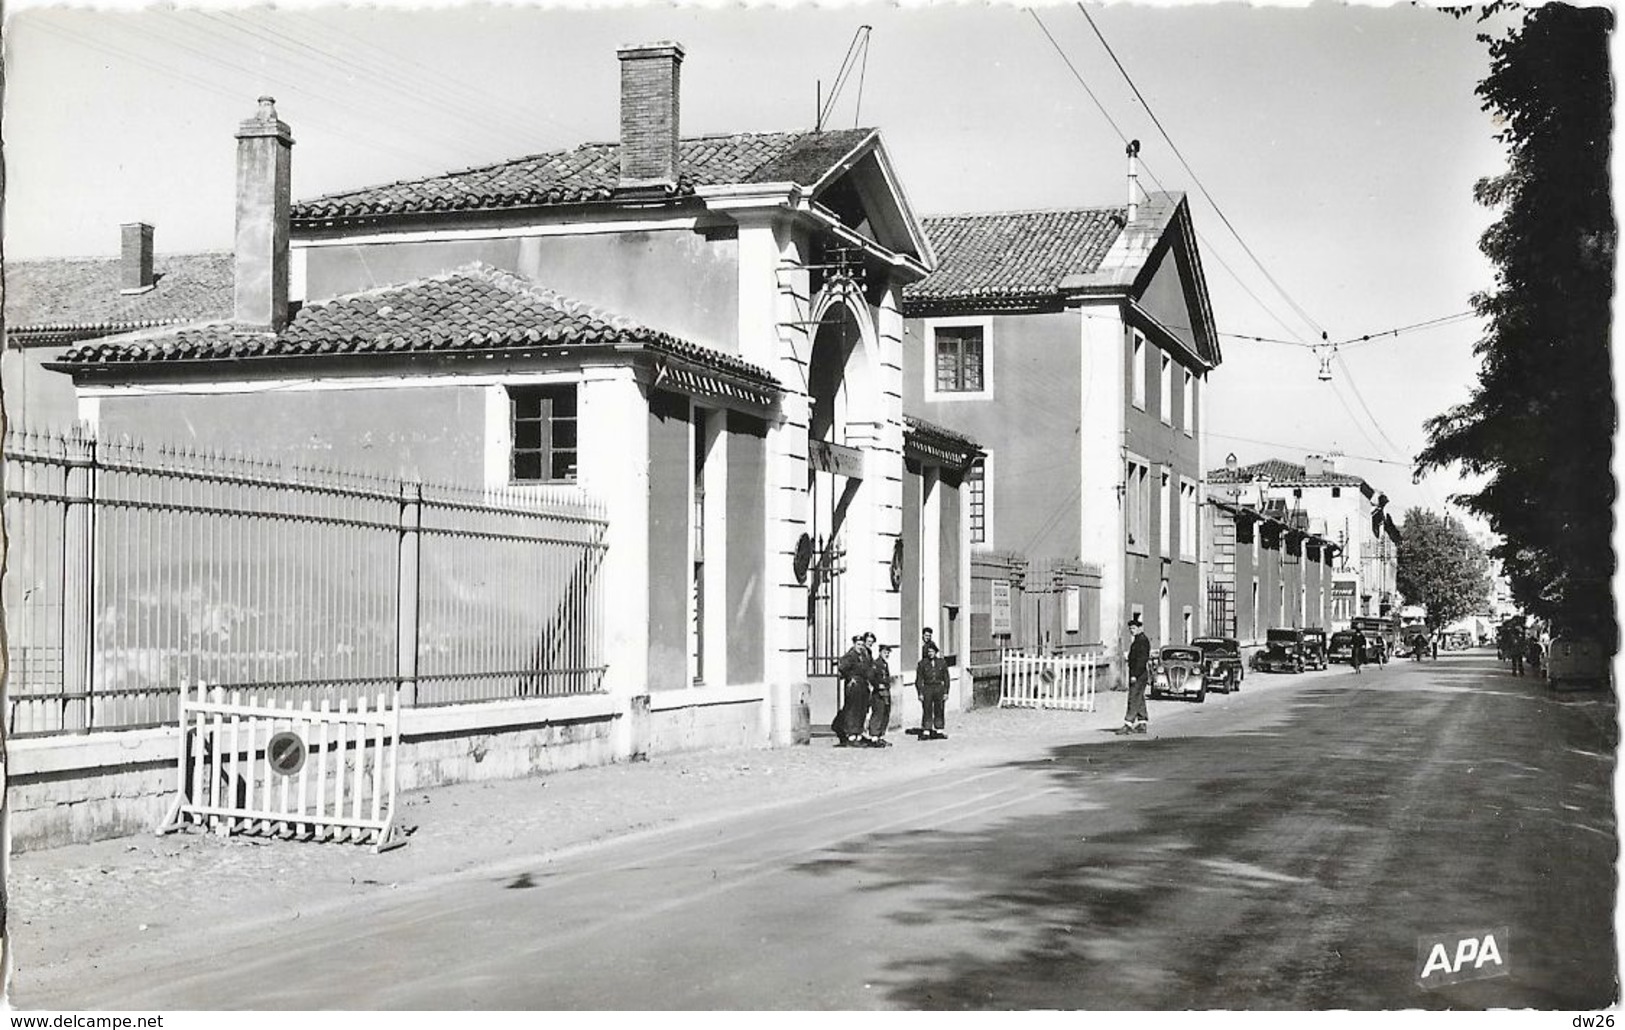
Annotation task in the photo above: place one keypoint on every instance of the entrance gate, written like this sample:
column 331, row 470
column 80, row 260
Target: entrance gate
column 826, row 628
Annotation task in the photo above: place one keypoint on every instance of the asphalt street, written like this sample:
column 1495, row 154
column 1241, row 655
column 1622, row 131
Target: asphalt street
column 1278, row 851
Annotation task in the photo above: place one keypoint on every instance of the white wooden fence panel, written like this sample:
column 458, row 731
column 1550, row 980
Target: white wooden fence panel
column 1048, row 681
column 227, row 781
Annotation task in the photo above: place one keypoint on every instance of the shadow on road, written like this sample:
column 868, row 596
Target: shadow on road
column 1292, row 869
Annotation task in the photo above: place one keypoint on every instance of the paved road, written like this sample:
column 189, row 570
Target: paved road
column 1278, row 849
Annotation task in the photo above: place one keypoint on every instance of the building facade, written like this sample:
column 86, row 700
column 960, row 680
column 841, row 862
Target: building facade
column 1267, row 570
column 1341, row 508
column 1074, row 347
column 703, row 334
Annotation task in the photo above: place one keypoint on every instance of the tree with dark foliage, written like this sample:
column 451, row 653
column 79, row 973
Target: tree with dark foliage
column 1441, row 567
column 1541, row 418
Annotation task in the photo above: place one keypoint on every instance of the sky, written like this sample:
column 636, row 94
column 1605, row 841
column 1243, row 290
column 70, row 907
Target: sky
column 1329, row 152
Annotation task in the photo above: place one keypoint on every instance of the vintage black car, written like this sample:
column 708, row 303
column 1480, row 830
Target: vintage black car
column 1314, row 648
column 1222, row 667
column 1283, row 652
column 1341, row 647
column 1177, row 672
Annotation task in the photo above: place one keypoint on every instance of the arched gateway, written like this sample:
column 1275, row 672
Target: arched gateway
column 844, row 422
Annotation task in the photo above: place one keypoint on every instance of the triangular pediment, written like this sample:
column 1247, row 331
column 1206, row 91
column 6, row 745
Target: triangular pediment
column 863, row 193
column 1171, row 289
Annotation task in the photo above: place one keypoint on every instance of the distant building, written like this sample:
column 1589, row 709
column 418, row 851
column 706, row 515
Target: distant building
column 1341, row 508
column 1266, row 571
column 53, row 303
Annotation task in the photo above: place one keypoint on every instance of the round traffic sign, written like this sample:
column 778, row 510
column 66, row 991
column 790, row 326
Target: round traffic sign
column 286, row 753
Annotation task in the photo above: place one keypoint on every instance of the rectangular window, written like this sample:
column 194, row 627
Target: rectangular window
column 1164, row 517
column 1137, row 508
column 543, row 420
column 976, row 500
column 1189, row 403
column 1165, row 402
column 1137, row 371
column 959, row 358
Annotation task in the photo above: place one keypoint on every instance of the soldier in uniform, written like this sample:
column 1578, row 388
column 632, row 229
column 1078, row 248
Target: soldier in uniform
column 879, row 699
column 931, row 680
column 853, row 671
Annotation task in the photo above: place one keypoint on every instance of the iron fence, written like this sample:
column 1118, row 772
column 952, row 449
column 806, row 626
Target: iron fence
column 133, row 571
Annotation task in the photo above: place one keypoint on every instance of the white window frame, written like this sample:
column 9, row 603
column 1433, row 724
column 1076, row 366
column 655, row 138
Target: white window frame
column 1137, row 370
column 987, row 504
column 985, row 323
column 1165, row 385
column 1137, row 502
column 1188, row 403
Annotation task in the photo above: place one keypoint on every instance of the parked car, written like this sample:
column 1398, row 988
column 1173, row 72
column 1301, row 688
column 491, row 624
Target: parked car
column 1222, row 667
column 1283, row 651
column 1177, row 672
column 1314, row 648
column 1340, row 648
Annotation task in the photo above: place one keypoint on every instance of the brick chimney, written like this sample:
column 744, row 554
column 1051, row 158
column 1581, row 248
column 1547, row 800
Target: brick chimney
column 135, row 258
column 264, row 184
column 649, row 107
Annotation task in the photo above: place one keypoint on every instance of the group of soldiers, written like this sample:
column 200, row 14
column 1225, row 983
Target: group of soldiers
column 865, row 675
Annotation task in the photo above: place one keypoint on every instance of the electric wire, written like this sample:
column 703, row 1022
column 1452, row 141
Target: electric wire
column 1196, row 178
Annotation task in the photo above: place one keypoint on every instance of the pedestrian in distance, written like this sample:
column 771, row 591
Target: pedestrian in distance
column 1533, row 653
column 1433, row 646
column 931, row 681
column 1516, row 650
column 1357, row 652
column 1135, row 719
column 880, row 698
column 852, row 670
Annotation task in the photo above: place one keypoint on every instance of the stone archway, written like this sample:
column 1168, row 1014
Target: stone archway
column 844, row 419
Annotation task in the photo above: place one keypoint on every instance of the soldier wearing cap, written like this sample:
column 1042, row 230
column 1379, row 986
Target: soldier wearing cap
column 853, row 672
column 879, row 699
column 1139, row 663
column 931, row 682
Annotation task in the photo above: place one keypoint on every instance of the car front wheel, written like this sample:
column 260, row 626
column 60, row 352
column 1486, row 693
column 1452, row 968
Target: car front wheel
column 1201, row 693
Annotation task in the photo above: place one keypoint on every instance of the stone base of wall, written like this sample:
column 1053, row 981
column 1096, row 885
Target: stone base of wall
column 77, row 789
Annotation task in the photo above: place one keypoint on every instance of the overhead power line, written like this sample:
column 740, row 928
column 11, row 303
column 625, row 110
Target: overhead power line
column 1150, row 172
column 1196, row 178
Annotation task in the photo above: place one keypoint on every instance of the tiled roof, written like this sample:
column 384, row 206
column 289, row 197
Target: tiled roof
column 82, row 294
column 473, row 309
column 1282, row 473
column 939, row 441
column 590, row 173
column 1014, row 255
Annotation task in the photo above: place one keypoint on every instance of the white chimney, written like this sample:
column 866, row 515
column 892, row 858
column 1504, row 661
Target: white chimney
column 1314, row 466
column 1329, row 462
column 264, row 197
column 1133, row 180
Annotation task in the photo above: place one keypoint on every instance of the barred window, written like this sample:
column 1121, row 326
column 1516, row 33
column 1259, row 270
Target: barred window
column 544, row 433
column 959, row 358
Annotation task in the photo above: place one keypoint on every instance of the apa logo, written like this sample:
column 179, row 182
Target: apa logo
column 1455, row 958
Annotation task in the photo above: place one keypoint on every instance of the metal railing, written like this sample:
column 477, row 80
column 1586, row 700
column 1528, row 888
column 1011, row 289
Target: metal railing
column 133, row 571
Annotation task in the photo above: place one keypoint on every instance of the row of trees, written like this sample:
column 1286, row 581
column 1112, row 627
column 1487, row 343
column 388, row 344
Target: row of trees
column 1540, row 422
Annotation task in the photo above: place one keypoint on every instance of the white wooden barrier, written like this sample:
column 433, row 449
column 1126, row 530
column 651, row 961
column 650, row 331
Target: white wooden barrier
column 1048, row 681
column 233, row 780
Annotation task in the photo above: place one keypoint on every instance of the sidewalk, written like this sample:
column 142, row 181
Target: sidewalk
column 70, row 905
